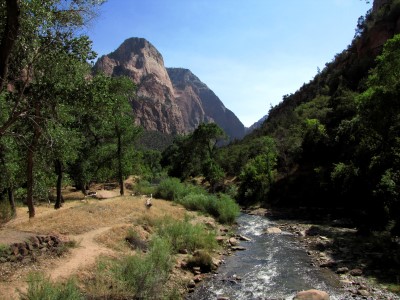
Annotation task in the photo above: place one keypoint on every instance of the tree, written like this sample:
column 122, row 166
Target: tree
column 121, row 89
column 196, row 154
column 45, row 40
column 258, row 174
column 379, row 149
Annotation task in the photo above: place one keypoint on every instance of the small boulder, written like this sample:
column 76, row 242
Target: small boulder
column 238, row 248
column 311, row 295
column 364, row 293
column 233, row 241
column 220, row 239
column 328, row 263
column 216, row 262
column 342, row 270
column 191, row 284
column 244, row 238
column 356, row 272
column 313, row 231
column 273, row 230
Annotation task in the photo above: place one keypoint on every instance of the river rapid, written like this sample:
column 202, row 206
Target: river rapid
column 273, row 266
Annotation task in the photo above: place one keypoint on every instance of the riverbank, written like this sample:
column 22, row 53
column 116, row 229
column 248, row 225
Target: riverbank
column 367, row 267
column 102, row 230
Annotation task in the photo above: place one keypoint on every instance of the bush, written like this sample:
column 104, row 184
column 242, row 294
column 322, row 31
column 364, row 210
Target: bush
column 197, row 202
column 184, row 235
column 143, row 187
column 223, row 208
column 201, row 259
column 145, row 275
column 228, row 209
column 6, row 212
column 4, row 250
column 134, row 277
column 41, row 288
column 171, row 189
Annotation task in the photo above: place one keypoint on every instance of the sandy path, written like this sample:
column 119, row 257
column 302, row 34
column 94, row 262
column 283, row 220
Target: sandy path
column 80, row 257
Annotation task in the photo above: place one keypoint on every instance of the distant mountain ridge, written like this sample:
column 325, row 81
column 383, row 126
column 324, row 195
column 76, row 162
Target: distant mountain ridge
column 171, row 101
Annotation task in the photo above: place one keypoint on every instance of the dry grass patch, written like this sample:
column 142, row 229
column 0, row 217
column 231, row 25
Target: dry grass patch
column 115, row 237
column 77, row 217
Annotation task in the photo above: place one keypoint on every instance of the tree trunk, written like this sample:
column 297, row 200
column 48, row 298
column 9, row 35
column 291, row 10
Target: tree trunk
column 10, row 193
column 8, row 39
column 59, row 172
column 119, row 154
column 30, row 161
column 29, row 172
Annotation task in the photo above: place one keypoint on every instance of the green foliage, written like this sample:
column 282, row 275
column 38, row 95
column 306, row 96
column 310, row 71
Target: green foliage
column 140, row 276
column 196, row 154
column 171, row 189
column 5, row 212
column 258, row 174
column 41, row 288
column 227, row 209
column 201, row 259
column 222, row 207
column 143, row 187
column 343, row 176
column 4, row 250
column 184, row 235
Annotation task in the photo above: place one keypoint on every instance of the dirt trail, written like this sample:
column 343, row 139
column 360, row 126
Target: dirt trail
column 80, row 257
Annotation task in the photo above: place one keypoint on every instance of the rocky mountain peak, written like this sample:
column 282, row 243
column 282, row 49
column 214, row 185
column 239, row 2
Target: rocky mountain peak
column 173, row 100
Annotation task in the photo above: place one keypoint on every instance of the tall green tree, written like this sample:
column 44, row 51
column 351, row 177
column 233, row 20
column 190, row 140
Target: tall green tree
column 259, row 173
column 379, row 118
column 121, row 90
column 45, row 40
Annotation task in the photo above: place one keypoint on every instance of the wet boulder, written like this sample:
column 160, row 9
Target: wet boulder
column 311, row 295
column 273, row 230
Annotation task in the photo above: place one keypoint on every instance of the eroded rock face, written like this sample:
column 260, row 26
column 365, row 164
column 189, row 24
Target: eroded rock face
column 172, row 101
column 200, row 104
column 154, row 106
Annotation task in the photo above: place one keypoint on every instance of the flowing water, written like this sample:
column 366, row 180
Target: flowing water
column 273, row 266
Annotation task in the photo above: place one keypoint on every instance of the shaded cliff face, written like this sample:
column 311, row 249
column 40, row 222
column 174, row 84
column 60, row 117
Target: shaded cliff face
column 172, row 101
column 154, row 106
column 200, row 104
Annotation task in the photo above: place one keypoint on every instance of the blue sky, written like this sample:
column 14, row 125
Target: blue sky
column 250, row 53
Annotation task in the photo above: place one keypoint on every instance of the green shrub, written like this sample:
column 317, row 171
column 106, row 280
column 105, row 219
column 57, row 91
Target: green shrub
column 41, row 288
column 197, row 202
column 6, row 212
column 143, row 187
column 4, row 250
column 144, row 276
column 228, row 209
column 223, row 208
column 171, row 189
column 184, row 235
column 134, row 240
column 140, row 276
column 201, row 259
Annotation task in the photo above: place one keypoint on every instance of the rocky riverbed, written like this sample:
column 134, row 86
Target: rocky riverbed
column 366, row 266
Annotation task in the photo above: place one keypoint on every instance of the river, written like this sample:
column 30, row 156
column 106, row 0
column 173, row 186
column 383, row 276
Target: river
column 273, row 266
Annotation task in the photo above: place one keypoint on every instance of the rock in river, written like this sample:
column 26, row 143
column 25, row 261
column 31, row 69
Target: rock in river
column 273, row 230
column 311, row 295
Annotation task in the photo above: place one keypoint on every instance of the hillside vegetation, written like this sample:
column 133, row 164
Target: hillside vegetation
column 335, row 142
